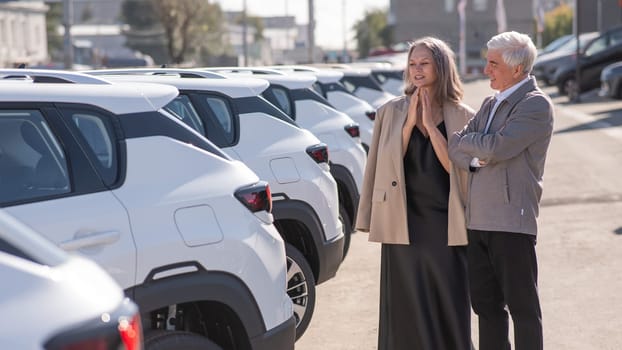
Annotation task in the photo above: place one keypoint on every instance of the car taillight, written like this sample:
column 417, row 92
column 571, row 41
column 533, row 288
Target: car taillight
column 131, row 333
column 318, row 152
column 353, row 130
column 120, row 329
column 255, row 197
column 371, row 115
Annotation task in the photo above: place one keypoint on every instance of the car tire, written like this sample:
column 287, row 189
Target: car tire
column 173, row 340
column 346, row 226
column 300, row 288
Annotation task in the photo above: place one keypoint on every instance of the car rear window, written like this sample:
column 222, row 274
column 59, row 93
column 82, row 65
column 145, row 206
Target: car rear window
column 32, row 162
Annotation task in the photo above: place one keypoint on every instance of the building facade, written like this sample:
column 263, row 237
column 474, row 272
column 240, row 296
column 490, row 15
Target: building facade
column 23, row 37
column 439, row 18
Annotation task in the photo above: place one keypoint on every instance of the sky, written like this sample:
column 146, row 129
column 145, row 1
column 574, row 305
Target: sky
column 329, row 15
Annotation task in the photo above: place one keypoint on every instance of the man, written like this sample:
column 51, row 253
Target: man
column 504, row 146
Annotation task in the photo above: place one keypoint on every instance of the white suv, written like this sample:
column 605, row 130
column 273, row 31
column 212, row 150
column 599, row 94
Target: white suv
column 329, row 85
column 294, row 95
column 183, row 228
column 50, row 299
column 232, row 114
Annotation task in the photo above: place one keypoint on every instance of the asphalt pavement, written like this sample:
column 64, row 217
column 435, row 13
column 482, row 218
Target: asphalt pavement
column 579, row 242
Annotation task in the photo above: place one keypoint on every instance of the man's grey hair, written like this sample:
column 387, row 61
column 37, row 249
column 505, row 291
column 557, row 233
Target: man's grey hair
column 517, row 49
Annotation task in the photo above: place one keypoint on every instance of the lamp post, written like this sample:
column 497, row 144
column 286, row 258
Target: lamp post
column 67, row 39
column 244, row 34
column 311, row 32
column 462, row 51
column 344, row 58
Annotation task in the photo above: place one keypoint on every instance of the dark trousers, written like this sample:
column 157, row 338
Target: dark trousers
column 503, row 271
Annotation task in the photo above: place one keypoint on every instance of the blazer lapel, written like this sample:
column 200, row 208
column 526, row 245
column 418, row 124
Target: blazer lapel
column 503, row 111
column 398, row 119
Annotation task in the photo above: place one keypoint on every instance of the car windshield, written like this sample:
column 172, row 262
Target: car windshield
column 571, row 45
column 557, row 43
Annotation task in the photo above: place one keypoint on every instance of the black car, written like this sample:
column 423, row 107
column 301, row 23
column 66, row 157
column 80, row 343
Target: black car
column 600, row 52
column 547, row 63
column 611, row 81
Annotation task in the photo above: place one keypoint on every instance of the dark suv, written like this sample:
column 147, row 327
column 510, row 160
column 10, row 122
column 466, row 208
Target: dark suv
column 600, row 52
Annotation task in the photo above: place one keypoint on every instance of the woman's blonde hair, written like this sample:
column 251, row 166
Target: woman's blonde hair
column 448, row 84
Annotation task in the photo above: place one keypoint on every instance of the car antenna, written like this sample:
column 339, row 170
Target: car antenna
column 21, row 66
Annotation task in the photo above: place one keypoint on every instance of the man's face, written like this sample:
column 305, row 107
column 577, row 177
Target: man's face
column 501, row 75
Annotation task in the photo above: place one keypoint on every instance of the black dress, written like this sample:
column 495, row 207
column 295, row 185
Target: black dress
column 424, row 300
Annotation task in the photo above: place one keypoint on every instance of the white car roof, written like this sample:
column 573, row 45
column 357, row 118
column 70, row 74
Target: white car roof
column 289, row 81
column 325, row 76
column 70, row 77
column 249, row 70
column 117, row 98
column 295, row 67
column 356, row 72
column 233, row 87
column 157, row 71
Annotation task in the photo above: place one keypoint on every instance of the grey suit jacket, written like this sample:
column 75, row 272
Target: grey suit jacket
column 505, row 194
column 382, row 206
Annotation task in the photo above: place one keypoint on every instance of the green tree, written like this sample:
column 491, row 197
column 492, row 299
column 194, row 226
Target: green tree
column 182, row 29
column 372, row 31
column 53, row 20
column 138, row 14
column 557, row 22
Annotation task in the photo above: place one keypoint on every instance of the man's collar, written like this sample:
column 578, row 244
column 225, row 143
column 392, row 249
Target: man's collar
column 500, row 96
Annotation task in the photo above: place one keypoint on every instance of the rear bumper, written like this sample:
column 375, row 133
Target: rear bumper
column 330, row 257
column 323, row 255
column 282, row 336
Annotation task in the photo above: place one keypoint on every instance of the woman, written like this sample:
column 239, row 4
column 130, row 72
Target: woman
column 412, row 202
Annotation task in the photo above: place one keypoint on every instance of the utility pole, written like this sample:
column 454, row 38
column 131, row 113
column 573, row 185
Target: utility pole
column 577, row 30
column 462, row 25
column 311, row 31
column 67, row 40
column 345, row 32
column 244, row 35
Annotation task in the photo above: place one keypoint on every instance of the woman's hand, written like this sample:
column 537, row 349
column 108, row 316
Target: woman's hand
column 426, row 111
column 411, row 119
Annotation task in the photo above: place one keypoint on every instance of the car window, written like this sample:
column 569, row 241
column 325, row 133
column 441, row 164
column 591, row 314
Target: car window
column 182, row 108
column 349, row 86
column 615, row 38
column 380, row 77
column 317, row 87
column 222, row 112
column 32, row 162
column 596, row 46
column 282, row 100
column 97, row 134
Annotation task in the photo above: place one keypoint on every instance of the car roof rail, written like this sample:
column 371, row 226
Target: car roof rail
column 49, row 76
column 181, row 72
column 253, row 70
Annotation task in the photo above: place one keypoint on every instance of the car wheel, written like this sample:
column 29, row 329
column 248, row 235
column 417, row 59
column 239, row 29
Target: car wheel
column 572, row 89
column 300, row 288
column 346, row 227
column 173, row 340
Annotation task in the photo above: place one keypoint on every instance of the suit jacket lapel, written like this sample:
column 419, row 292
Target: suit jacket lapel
column 508, row 104
column 398, row 119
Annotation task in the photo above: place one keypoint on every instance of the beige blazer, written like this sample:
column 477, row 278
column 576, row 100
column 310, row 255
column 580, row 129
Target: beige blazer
column 382, row 206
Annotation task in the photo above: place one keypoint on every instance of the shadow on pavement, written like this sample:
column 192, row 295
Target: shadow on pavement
column 607, row 112
column 614, row 119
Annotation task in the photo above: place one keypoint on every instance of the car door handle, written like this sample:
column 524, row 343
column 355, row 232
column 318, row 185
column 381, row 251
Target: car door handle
column 90, row 240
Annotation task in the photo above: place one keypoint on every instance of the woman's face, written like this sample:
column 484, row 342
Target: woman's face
column 421, row 67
